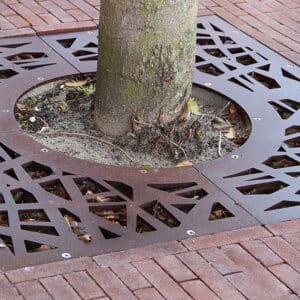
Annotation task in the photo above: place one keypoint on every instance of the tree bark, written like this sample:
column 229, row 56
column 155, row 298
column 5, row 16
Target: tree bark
column 146, row 59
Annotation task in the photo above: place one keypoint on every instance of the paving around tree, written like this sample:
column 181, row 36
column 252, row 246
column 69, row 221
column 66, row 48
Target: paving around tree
column 159, row 234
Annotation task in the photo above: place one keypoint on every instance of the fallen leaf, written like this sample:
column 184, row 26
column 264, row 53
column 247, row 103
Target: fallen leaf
column 220, row 123
column 100, row 199
column 43, row 248
column 230, row 133
column 147, row 167
column 234, row 112
column 185, row 163
column 21, row 106
column 185, row 114
column 76, row 83
column 193, row 106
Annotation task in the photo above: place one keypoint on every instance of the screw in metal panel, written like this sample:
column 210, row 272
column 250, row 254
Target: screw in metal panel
column 89, row 32
column 5, row 110
column 45, row 150
column 207, row 83
column 235, row 156
column 66, row 255
column 257, row 119
column 144, row 171
column 190, row 232
column 290, row 66
column 40, row 78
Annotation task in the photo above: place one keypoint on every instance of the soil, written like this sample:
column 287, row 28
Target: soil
column 60, row 117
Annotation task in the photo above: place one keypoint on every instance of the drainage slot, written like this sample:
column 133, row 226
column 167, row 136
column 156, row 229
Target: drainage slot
column 156, row 210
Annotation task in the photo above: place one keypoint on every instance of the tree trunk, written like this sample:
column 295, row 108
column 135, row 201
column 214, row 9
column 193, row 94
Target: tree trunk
column 146, row 59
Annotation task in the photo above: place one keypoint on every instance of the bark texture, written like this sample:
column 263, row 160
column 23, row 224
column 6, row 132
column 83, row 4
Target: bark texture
column 146, row 59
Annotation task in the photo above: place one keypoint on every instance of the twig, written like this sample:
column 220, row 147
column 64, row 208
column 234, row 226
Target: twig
column 220, row 144
column 91, row 137
column 141, row 122
column 180, row 147
column 224, row 107
column 45, row 123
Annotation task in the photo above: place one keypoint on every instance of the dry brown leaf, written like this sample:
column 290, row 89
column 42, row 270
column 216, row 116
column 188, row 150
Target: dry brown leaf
column 43, row 248
column 100, row 198
column 230, row 133
column 220, row 123
column 185, row 114
column 76, row 83
column 234, row 112
column 21, row 106
column 185, row 163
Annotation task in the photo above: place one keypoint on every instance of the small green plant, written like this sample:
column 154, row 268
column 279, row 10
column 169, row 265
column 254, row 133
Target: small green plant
column 87, row 90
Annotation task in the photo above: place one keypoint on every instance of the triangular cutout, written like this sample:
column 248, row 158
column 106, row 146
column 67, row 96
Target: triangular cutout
column 234, row 80
column 261, row 178
column 283, row 112
column 186, row 208
column 172, row 187
column 230, row 67
column 116, row 214
column 287, row 74
column 12, row 154
column 14, row 46
column 156, row 210
column 91, row 45
column 4, row 221
column 143, row 226
column 88, row 186
column 281, row 149
column 218, row 212
column 11, row 173
column 22, row 196
column 108, row 234
column 291, row 103
column 245, row 173
column 283, row 204
column 55, row 187
column 67, row 43
column 7, row 240
column 265, row 67
column 1, row 199
column 293, row 174
column 37, row 66
column 37, row 247
column 68, row 216
column 64, row 173
column 194, row 194
column 122, row 188
column 40, row 229
column 216, row 28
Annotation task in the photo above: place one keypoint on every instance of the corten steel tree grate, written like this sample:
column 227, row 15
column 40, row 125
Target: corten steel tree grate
column 126, row 207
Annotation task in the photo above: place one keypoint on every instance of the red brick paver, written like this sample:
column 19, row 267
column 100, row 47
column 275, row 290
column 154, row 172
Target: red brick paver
column 264, row 265
column 250, row 263
column 275, row 22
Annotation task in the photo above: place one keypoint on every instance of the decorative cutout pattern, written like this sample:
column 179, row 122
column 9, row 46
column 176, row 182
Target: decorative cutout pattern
column 80, row 48
column 17, row 58
column 50, row 205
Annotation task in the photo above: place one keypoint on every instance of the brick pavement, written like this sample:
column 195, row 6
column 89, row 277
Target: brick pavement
column 250, row 263
column 274, row 22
